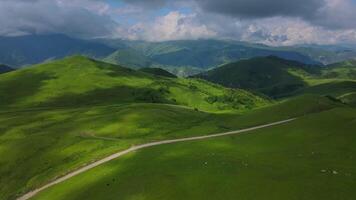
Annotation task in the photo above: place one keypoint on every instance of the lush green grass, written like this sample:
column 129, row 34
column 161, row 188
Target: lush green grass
column 78, row 81
column 311, row 158
column 36, row 146
column 335, row 88
column 342, row 70
column 58, row 116
column 39, row 145
column 268, row 75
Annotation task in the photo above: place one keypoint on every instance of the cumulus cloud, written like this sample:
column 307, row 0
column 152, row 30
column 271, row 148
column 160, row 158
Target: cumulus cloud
column 273, row 22
column 173, row 26
column 289, row 31
column 80, row 18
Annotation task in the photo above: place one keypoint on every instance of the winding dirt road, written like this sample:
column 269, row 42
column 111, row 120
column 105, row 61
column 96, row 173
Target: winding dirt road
column 135, row 148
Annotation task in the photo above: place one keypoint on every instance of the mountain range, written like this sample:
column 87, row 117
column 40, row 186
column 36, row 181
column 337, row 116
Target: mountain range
column 182, row 58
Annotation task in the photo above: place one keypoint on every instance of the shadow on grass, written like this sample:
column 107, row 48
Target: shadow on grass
column 21, row 86
column 109, row 96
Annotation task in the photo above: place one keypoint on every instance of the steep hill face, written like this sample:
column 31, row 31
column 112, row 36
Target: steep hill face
column 33, row 49
column 5, row 69
column 79, row 81
column 271, row 76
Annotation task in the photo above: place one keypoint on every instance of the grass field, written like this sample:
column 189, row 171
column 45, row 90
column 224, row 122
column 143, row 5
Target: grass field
column 310, row 158
column 59, row 116
column 39, row 145
column 79, row 81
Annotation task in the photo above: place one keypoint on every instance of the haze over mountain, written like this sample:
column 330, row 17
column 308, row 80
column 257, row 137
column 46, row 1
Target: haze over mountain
column 32, row 49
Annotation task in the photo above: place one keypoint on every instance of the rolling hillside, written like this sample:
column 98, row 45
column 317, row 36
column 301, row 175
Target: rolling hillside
column 37, row 145
column 68, row 113
column 271, row 76
column 310, row 158
column 342, row 70
column 79, row 81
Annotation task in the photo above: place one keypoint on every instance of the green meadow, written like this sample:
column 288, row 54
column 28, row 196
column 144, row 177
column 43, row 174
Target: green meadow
column 59, row 116
column 310, row 158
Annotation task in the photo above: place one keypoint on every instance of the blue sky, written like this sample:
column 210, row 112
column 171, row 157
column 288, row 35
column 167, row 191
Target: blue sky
column 272, row 22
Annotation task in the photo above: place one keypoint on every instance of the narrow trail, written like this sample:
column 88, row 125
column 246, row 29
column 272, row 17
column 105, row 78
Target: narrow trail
column 135, row 148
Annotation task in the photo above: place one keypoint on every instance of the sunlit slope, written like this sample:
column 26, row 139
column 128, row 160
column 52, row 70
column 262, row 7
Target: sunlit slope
column 39, row 145
column 310, row 158
column 79, row 81
column 271, row 76
column 342, row 70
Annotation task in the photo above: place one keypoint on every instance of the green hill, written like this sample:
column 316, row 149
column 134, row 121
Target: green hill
column 310, row 158
column 37, row 145
column 342, row 70
column 79, row 81
column 5, row 69
column 271, row 76
column 158, row 72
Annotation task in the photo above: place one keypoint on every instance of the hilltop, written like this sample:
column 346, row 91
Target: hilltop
column 80, row 81
column 270, row 75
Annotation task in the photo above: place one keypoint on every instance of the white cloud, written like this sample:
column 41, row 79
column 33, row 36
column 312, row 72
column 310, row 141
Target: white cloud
column 173, row 26
column 79, row 18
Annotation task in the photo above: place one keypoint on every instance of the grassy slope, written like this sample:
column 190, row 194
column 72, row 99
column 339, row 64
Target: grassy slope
column 269, row 75
column 158, row 72
column 58, row 116
column 342, row 70
column 36, row 146
column 79, row 110
column 299, row 160
column 281, row 78
column 337, row 80
column 78, row 81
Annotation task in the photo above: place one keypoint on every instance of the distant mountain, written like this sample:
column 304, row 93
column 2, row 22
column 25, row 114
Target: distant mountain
column 33, row 49
column 271, row 75
column 129, row 58
column 5, row 69
column 158, row 72
column 194, row 54
column 326, row 54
